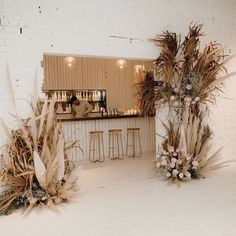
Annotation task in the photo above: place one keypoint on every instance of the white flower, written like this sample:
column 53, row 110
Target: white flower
column 176, row 90
column 172, row 98
column 163, row 163
column 181, row 175
column 168, row 174
column 195, row 163
column 196, row 99
column 188, row 175
column 175, row 172
column 158, row 164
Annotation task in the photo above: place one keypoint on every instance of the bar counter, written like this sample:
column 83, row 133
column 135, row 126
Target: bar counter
column 77, row 129
column 72, row 118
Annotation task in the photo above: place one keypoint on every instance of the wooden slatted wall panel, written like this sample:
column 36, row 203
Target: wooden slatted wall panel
column 94, row 73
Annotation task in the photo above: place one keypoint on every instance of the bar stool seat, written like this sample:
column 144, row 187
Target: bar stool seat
column 97, row 151
column 133, row 143
column 115, row 143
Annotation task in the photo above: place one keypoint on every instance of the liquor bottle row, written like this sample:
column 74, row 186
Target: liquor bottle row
column 89, row 95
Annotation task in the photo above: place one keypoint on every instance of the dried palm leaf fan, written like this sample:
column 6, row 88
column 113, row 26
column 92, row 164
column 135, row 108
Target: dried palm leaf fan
column 36, row 169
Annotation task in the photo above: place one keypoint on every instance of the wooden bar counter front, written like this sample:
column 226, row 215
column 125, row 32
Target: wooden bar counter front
column 77, row 129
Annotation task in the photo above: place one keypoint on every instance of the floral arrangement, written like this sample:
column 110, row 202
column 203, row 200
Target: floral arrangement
column 188, row 80
column 35, row 168
column 185, row 150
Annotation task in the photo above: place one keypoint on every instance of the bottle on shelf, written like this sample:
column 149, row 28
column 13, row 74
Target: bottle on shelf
column 64, row 97
column 68, row 109
column 59, row 108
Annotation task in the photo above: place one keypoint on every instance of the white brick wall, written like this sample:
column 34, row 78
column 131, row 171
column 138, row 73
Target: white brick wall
column 84, row 26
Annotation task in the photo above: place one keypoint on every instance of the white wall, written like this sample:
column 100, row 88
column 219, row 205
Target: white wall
column 84, row 26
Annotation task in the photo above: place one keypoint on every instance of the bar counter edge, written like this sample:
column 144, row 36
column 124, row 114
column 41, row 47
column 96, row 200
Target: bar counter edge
column 100, row 117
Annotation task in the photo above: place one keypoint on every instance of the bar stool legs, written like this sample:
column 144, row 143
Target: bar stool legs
column 115, row 143
column 96, row 154
column 133, row 138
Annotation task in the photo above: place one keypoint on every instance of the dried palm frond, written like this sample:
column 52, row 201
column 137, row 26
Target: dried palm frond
column 184, row 75
column 166, row 64
column 36, row 169
column 147, row 95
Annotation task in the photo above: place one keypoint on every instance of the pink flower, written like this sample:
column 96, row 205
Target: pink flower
column 187, row 99
column 173, row 160
column 195, row 163
column 179, row 162
column 172, row 165
column 170, row 148
column 187, row 104
column 177, row 150
column 163, row 163
column 176, row 90
column 163, row 158
column 175, row 154
column 189, row 86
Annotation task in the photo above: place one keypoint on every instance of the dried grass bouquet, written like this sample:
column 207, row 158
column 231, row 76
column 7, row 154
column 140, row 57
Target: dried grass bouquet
column 35, row 168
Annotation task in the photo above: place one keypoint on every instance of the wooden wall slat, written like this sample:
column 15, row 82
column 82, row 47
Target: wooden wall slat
column 94, row 73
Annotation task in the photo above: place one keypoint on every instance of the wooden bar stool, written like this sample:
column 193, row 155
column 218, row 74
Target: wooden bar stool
column 115, row 143
column 97, row 151
column 133, row 138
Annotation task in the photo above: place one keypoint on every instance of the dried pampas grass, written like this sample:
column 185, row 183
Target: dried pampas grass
column 36, row 169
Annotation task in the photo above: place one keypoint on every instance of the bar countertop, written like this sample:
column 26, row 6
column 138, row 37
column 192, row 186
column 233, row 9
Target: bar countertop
column 72, row 118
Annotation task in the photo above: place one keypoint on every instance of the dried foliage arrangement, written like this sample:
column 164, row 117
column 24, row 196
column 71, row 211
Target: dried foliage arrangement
column 188, row 76
column 188, row 80
column 35, row 168
column 185, row 150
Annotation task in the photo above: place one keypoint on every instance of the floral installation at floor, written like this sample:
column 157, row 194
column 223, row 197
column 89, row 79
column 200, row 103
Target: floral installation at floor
column 35, row 168
column 187, row 80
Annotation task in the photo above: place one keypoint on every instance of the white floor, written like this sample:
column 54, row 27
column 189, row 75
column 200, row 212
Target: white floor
column 125, row 198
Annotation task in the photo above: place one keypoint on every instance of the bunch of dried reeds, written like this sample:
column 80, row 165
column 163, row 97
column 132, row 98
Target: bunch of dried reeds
column 36, row 169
